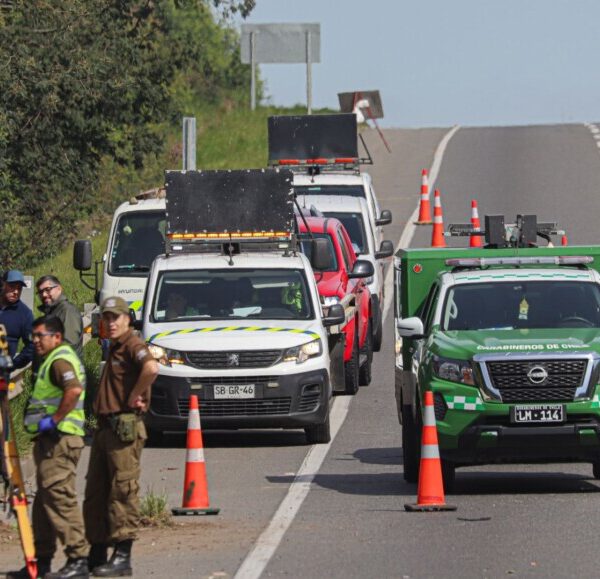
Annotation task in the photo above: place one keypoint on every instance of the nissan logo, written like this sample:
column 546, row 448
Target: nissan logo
column 537, row 375
column 233, row 360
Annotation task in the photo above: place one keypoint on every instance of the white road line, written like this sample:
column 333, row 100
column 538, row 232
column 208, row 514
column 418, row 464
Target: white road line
column 266, row 545
column 410, row 227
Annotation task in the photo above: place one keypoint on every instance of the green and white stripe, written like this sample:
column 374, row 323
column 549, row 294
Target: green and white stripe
column 464, row 402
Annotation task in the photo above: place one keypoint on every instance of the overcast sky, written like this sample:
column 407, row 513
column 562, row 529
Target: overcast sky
column 447, row 62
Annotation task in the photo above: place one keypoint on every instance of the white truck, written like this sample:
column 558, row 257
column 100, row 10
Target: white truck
column 232, row 311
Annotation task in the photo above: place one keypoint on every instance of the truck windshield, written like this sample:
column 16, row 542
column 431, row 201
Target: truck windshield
column 520, row 305
column 353, row 222
column 347, row 190
column 306, row 247
column 138, row 239
column 258, row 294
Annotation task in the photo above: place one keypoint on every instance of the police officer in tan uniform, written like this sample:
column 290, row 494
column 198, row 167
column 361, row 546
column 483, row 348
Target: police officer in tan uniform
column 55, row 417
column 111, row 505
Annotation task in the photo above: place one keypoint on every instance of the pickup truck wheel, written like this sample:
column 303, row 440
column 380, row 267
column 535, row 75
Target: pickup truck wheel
column 156, row 438
column 319, row 433
column 448, row 476
column 411, row 450
column 351, row 368
column 596, row 469
column 378, row 337
column 364, row 374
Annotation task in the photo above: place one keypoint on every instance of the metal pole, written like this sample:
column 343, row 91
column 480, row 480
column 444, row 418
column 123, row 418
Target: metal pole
column 308, row 73
column 253, row 72
column 189, row 143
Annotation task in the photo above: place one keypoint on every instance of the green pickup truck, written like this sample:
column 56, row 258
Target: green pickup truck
column 508, row 340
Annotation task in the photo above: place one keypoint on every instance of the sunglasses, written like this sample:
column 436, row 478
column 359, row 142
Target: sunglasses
column 46, row 290
column 40, row 335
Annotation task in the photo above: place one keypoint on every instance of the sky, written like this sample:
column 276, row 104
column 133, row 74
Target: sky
column 438, row 63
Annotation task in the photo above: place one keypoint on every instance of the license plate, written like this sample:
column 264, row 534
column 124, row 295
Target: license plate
column 539, row 413
column 235, row 391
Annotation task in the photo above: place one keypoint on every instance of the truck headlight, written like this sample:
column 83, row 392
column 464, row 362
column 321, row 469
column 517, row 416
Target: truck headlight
column 330, row 300
column 165, row 356
column 300, row 354
column 453, row 370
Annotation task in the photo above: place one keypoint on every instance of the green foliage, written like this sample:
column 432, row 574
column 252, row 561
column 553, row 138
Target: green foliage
column 154, row 510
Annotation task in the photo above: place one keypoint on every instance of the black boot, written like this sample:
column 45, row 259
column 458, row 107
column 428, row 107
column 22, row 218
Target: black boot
column 120, row 562
column 98, row 555
column 72, row 568
column 43, row 567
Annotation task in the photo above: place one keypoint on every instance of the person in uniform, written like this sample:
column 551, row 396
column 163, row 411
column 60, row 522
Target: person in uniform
column 54, row 416
column 111, row 505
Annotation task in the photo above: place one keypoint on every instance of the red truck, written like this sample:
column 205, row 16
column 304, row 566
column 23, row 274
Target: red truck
column 344, row 281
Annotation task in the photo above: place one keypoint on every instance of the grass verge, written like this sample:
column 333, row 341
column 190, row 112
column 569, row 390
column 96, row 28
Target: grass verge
column 154, row 510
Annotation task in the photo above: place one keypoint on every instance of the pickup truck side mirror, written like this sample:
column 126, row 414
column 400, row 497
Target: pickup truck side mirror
column 137, row 324
column 320, row 257
column 385, row 218
column 386, row 250
column 362, row 268
column 336, row 316
column 410, row 328
column 82, row 254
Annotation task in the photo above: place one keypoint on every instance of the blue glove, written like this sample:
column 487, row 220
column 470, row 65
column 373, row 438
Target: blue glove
column 46, row 424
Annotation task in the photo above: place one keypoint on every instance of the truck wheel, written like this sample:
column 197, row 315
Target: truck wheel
column 596, row 469
column 351, row 368
column 378, row 337
column 319, row 433
column 364, row 374
column 156, row 438
column 411, row 450
column 448, row 476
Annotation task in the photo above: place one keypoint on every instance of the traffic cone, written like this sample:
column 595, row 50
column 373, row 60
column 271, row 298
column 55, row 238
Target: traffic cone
column 424, row 206
column 437, row 235
column 564, row 240
column 195, row 489
column 430, row 494
column 475, row 240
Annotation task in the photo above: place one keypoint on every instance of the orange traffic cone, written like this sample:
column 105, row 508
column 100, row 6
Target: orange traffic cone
column 564, row 240
column 475, row 240
column 437, row 235
column 424, row 207
column 195, row 489
column 430, row 494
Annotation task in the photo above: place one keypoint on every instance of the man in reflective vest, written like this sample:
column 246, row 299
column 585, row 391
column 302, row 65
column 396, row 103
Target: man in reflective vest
column 55, row 417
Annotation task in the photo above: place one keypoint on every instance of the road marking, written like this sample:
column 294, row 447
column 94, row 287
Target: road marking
column 410, row 227
column 266, row 545
column 268, row 542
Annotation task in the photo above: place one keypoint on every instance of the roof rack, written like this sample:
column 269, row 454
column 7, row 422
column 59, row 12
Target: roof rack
column 156, row 193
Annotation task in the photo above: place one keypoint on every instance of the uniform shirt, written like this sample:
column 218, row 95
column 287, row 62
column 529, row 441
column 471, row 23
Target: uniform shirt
column 120, row 376
column 17, row 318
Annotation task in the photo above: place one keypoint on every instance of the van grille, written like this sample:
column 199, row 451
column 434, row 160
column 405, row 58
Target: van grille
column 254, row 407
column 243, row 359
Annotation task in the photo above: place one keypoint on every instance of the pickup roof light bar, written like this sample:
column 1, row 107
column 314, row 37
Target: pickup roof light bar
column 317, row 161
column 542, row 260
column 233, row 235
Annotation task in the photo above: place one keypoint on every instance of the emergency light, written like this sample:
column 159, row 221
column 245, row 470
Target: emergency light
column 542, row 260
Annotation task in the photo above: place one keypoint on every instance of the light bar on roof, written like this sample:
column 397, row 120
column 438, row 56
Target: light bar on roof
column 233, row 235
column 317, row 161
column 542, row 260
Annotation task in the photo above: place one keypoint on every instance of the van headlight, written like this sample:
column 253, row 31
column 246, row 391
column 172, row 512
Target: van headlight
column 165, row 356
column 453, row 370
column 300, row 354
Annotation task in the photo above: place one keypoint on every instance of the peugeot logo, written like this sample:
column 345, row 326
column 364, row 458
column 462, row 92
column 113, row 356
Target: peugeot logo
column 233, row 360
column 537, row 375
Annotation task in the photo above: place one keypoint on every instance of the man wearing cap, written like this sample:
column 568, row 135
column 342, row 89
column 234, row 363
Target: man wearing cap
column 55, row 303
column 16, row 318
column 111, row 505
column 54, row 417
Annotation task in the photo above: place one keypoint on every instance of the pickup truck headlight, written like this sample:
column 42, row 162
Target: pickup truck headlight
column 164, row 356
column 453, row 370
column 300, row 354
column 330, row 300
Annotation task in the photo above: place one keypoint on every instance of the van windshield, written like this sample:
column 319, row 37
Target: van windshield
column 521, row 305
column 222, row 294
column 353, row 222
column 138, row 239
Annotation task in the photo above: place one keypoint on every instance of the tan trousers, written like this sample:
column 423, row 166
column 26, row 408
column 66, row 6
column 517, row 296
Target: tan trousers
column 56, row 514
column 111, row 507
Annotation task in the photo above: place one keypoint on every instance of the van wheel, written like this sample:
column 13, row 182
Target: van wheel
column 351, row 367
column 319, row 433
column 365, row 374
column 448, row 476
column 411, row 450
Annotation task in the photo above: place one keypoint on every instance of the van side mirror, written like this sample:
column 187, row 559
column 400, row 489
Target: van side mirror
column 82, row 254
column 362, row 268
column 386, row 249
column 336, row 316
column 320, row 256
column 385, row 218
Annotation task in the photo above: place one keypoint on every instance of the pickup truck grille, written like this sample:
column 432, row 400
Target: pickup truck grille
column 208, row 360
column 524, row 381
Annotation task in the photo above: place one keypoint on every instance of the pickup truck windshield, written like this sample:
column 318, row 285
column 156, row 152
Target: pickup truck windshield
column 353, row 222
column 223, row 294
column 520, row 305
column 346, row 190
column 138, row 239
